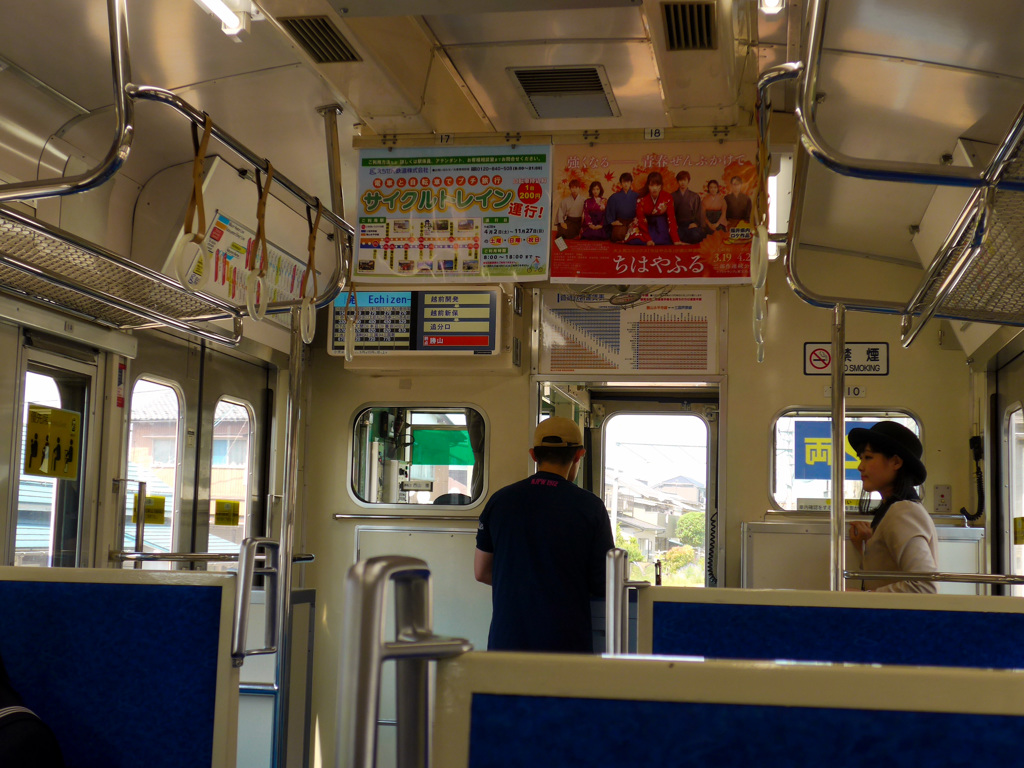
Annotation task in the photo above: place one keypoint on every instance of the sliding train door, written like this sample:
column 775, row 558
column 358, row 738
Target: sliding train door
column 49, row 387
column 654, row 462
column 197, row 438
column 652, row 456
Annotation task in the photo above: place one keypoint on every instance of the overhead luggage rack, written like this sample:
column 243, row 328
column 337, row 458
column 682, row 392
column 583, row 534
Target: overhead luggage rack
column 58, row 269
column 977, row 273
column 54, row 267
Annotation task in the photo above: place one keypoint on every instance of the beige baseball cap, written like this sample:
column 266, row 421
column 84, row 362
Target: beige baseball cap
column 557, row 432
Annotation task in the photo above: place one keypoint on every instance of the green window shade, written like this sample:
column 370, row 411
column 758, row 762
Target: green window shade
column 442, row 447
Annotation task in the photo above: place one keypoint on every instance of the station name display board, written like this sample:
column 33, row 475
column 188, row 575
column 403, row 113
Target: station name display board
column 631, row 214
column 416, row 321
column 585, row 333
column 454, row 214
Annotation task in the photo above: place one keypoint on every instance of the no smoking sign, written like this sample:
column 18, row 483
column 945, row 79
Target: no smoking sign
column 861, row 358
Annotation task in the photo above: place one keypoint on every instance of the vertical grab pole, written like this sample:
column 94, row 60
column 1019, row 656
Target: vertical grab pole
column 283, row 608
column 616, row 606
column 838, row 559
column 140, row 522
column 413, row 612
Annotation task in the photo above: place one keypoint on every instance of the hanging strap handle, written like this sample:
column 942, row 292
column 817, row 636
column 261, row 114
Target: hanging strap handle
column 191, row 251
column 195, row 200
column 311, row 247
column 255, row 290
column 261, row 213
column 307, row 313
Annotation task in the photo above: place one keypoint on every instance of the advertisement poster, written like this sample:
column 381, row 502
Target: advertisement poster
column 53, row 440
column 665, row 212
column 813, row 451
column 454, row 214
column 673, row 333
column 226, row 245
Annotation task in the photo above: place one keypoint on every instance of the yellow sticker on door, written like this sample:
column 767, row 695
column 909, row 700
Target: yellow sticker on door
column 53, row 442
column 154, row 510
column 1018, row 530
column 225, row 512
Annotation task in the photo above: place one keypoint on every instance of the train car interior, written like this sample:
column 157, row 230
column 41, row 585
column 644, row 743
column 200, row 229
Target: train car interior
column 287, row 285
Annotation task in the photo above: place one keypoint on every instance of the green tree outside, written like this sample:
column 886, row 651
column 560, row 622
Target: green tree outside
column 631, row 545
column 690, row 529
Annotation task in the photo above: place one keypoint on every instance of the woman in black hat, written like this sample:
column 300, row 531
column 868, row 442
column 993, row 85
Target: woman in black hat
column 902, row 536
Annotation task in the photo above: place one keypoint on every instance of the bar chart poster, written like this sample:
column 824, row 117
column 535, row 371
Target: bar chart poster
column 587, row 333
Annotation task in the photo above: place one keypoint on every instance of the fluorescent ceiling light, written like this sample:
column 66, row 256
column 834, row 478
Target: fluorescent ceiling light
column 771, row 7
column 232, row 22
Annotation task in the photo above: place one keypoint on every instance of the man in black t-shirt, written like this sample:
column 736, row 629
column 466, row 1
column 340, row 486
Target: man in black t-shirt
column 541, row 545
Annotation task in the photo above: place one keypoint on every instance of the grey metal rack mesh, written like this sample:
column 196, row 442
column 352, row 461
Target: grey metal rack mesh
column 990, row 289
column 57, row 268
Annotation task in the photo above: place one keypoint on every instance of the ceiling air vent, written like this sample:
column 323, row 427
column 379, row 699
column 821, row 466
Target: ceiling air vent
column 690, row 26
column 320, row 39
column 554, row 92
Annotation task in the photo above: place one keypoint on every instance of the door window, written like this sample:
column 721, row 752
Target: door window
column 55, row 403
column 153, row 459
column 37, row 494
column 1016, row 495
column 655, row 488
column 230, row 478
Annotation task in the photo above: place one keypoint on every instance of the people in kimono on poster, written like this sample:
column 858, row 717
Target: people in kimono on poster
column 654, row 212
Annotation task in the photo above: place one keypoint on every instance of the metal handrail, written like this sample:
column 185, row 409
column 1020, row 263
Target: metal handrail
column 246, row 570
column 964, row 578
column 616, row 600
column 117, row 21
column 333, row 284
column 193, row 557
column 430, row 518
column 363, row 650
column 864, row 168
column 140, row 520
column 125, row 93
column 804, row 292
column 763, row 106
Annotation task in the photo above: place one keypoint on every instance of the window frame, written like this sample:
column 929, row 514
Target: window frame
column 417, row 509
column 129, row 490
column 793, row 411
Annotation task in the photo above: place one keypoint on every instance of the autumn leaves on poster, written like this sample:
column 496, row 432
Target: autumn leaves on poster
column 52, row 442
column 631, row 214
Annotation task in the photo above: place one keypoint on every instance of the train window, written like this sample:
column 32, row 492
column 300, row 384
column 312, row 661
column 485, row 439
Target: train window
column 655, row 488
column 803, row 457
column 37, row 493
column 1016, row 492
column 230, row 477
column 153, row 456
column 418, row 455
column 51, row 476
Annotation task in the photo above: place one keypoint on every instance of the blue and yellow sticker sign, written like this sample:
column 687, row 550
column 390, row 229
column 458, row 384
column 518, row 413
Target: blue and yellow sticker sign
column 52, row 442
column 813, row 451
